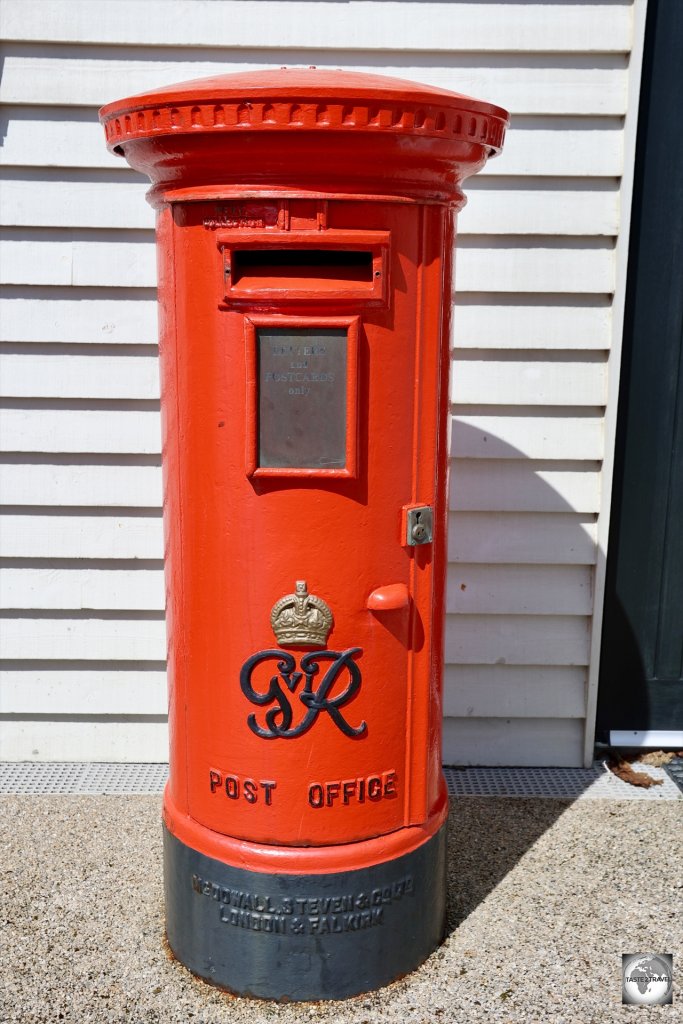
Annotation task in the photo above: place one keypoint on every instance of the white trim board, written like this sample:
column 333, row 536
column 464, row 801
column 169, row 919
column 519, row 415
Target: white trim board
column 653, row 739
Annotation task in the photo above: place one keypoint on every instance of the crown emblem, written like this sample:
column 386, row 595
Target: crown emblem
column 301, row 619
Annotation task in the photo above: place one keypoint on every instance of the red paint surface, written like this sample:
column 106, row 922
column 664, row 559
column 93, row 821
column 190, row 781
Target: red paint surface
column 321, row 162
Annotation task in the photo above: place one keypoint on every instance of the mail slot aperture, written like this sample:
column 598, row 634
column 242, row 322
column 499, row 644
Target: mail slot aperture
column 331, row 268
column 339, row 267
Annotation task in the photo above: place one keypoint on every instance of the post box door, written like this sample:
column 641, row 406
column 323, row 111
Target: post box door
column 310, row 397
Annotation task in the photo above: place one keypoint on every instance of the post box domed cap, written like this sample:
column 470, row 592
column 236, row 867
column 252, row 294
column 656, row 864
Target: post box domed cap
column 304, row 99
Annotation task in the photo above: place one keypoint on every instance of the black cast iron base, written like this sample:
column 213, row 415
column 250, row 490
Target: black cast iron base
column 292, row 937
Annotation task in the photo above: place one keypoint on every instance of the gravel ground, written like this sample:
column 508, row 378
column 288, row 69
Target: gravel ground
column 545, row 896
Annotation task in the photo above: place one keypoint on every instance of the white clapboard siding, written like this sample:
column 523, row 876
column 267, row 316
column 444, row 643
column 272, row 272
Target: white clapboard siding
column 138, row 589
column 488, row 320
column 517, row 640
column 84, row 639
column 561, row 146
column 566, row 85
column 492, row 538
column 480, row 436
column 68, row 138
column 130, row 431
column 585, row 266
column 504, row 26
column 478, row 323
column 125, row 376
column 79, row 536
column 527, row 486
column 538, row 590
column 46, row 690
column 91, row 740
column 80, row 484
column 518, row 691
column 528, row 742
column 78, row 261
column 530, row 209
column 82, row 591
column 82, row 316
column 518, row 589
column 483, row 320
column 33, row 202
column 500, row 538
column 504, row 266
column 518, row 379
column 540, row 145
column 71, row 375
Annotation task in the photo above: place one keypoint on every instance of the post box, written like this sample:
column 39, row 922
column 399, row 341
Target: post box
column 305, row 226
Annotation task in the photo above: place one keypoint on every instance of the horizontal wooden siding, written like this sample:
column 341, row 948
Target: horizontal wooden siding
column 81, row 547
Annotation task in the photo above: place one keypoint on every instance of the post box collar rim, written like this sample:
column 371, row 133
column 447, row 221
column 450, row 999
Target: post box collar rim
column 302, row 84
column 307, row 99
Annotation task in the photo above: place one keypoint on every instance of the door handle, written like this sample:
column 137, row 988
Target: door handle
column 389, row 598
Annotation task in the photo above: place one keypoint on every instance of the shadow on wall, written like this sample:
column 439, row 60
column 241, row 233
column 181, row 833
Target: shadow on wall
column 518, row 635
column 528, row 634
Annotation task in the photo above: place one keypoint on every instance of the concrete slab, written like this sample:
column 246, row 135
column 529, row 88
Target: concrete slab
column 545, row 896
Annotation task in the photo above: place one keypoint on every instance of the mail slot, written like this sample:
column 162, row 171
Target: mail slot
column 289, row 269
column 340, row 267
column 305, row 230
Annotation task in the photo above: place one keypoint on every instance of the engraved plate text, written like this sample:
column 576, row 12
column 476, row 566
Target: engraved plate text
column 302, row 397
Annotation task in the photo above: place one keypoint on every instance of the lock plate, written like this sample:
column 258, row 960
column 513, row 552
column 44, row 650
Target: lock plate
column 419, row 525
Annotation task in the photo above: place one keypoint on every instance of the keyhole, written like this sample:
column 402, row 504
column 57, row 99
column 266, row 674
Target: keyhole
column 419, row 529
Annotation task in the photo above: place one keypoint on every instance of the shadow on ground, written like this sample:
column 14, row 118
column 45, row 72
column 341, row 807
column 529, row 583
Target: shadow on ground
column 486, row 839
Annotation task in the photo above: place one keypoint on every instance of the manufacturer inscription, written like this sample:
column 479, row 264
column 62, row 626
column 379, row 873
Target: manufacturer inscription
column 242, row 215
column 280, row 694
column 304, row 915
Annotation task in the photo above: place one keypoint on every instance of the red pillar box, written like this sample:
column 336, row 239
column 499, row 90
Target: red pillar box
column 305, row 225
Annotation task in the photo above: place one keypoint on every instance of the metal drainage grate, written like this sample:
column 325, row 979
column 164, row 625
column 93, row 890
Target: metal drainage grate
column 80, row 778
column 560, row 783
column 144, row 779
column 563, row 782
